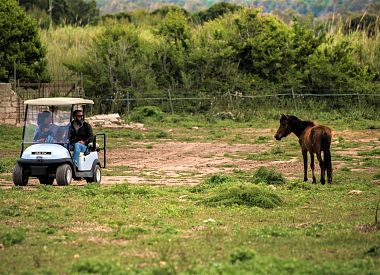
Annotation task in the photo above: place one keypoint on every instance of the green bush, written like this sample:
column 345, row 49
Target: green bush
column 241, row 256
column 96, row 267
column 12, row 237
column 244, row 194
column 376, row 176
column 269, row 176
column 213, row 181
column 140, row 114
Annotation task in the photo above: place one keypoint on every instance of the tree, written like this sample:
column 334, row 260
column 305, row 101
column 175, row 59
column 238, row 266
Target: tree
column 216, row 11
column 21, row 50
column 77, row 12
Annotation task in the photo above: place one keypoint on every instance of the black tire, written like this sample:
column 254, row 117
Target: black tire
column 64, row 174
column 46, row 180
column 20, row 175
column 96, row 175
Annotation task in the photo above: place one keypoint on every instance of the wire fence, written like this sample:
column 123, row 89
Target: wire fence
column 173, row 104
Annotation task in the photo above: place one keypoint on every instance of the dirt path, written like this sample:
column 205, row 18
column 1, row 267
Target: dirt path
column 188, row 163
column 185, row 163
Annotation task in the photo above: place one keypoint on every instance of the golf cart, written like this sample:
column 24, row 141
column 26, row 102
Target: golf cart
column 48, row 156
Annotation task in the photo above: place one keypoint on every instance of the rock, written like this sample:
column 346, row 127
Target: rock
column 113, row 121
column 209, row 220
column 355, row 192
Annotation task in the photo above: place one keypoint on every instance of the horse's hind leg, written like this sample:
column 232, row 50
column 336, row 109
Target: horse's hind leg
column 312, row 167
column 328, row 164
column 304, row 155
column 322, row 166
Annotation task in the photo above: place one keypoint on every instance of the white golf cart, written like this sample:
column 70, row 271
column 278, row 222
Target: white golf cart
column 48, row 156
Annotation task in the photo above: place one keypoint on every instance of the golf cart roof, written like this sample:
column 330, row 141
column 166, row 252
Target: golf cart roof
column 58, row 101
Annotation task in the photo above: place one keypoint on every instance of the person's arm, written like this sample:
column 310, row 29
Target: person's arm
column 90, row 135
column 72, row 138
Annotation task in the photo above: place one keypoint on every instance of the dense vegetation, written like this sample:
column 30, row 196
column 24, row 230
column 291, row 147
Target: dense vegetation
column 301, row 6
column 21, row 50
column 225, row 54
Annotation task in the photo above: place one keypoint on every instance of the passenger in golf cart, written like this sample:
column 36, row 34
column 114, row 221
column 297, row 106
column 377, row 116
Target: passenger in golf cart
column 81, row 135
column 43, row 132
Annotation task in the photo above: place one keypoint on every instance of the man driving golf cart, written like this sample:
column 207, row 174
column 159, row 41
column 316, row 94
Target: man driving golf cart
column 47, row 124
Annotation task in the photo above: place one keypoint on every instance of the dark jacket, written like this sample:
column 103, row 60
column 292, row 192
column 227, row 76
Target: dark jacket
column 84, row 133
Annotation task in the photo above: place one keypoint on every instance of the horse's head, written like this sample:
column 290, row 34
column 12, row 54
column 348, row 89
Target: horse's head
column 285, row 127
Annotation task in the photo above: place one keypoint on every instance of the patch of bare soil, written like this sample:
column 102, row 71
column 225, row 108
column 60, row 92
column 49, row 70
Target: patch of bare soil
column 188, row 163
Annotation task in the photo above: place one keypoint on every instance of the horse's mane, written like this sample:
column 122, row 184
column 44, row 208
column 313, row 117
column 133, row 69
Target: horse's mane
column 298, row 125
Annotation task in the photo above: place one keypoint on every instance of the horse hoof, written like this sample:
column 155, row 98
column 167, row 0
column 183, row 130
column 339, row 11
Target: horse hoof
column 304, row 179
column 323, row 181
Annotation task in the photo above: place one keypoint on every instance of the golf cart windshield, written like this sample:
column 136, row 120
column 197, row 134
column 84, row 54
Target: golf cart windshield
column 47, row 124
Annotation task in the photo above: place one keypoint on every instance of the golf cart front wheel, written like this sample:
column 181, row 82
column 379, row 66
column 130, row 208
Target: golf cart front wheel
column 64, row 174
column 96, row 175
column 20, row 175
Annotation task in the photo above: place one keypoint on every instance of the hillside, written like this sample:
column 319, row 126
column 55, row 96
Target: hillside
column 318, row 7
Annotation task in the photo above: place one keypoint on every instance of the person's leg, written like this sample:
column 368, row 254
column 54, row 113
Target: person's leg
column 78, row 148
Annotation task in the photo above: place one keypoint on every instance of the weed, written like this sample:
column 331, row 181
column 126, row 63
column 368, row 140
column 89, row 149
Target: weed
column 376, row 176
column 149, row 146
column 374, row 251
column 12, row 237
column 244, row 194
column 94, row 266
column 7, row 164
column 130, row 232
column 374, row 152
column 241, row 256
column 261, row 140
column 298, row 185
column 213, row 181
column 11, row 211
column 268, row 176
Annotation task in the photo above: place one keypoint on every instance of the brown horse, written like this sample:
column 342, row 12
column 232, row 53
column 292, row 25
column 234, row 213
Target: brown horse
column 313, row 138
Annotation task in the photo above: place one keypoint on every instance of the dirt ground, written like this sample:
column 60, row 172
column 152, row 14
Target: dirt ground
column 188, row 163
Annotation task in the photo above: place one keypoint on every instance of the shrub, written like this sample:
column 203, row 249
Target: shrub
column 213, row 181
column 96, row 267
column 241, row 256
column 12, row 237
column 269, row 176
column 140, row 114
column 244, row 194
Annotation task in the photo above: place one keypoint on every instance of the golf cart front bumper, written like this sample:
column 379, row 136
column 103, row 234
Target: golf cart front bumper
column 42, row 167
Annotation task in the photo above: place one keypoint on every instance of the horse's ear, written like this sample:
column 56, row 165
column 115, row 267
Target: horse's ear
column 284, row 116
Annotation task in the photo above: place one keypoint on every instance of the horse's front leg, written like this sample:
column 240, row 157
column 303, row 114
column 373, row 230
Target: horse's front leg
column 312, row 167
column 304, row 155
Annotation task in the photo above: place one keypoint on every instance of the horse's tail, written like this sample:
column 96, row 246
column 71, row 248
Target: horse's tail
column 326, row 141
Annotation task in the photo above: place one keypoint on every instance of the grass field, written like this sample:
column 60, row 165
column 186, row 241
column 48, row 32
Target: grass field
column 238, row 220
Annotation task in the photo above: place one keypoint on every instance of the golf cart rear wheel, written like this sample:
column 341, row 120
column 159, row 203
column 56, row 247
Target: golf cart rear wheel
column 96, row 175
column 46, row 180
column 20, row 175
column 64, row 174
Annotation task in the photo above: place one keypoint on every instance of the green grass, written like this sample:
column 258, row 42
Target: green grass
column 218, row 229
column 242, row 222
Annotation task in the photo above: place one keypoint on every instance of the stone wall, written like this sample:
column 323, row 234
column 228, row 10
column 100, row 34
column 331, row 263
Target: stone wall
column 11, row 106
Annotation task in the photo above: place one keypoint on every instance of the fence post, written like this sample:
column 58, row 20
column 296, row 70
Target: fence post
column 170, row 101
column 128, row 103
column 294, row 100
column 359, row 104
